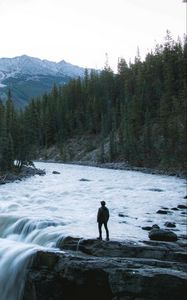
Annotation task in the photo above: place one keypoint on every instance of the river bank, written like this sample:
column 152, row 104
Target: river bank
column 118, row 166
column 25, row 172
column 28, row 171
column 127, row 167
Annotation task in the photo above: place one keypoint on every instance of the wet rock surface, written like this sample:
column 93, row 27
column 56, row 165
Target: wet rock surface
column 162, row 235
column 170, row 224
column 56, row 172
column 182, row 206
column 162, row 212
column 90, row 269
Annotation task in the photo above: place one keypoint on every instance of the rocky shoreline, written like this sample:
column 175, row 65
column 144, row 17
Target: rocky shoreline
column 28, row 171
column 98, row 270
column 25, row 172
column 118, row 166
column 127, row 167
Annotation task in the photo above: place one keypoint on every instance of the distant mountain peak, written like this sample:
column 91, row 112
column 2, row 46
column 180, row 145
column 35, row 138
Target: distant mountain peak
column 30, row 76
column 25, row 64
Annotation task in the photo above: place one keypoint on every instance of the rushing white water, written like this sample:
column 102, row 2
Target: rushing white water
column 39, row 211
column 14, row 259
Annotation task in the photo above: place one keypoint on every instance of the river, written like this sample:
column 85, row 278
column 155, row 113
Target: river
column 37, row 212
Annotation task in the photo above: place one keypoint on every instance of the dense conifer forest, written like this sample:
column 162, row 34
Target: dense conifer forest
column 140, row 111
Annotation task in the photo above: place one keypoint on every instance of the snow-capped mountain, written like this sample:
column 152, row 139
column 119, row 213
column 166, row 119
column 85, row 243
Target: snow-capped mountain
column 29, row 77
column 34, row 66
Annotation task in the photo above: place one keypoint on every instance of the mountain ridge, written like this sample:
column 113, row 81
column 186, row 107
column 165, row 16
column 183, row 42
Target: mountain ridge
column 33, row 65
column 29, row 77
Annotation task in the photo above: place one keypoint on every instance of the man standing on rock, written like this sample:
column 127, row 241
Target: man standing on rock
column 102, row 219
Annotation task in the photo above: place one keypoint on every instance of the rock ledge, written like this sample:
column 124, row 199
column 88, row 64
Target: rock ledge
column 97, row 270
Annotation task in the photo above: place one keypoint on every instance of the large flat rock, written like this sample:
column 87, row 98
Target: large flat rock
column 98, row 270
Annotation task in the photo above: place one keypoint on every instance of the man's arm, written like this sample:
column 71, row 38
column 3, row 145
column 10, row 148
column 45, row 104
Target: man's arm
column 98, row 214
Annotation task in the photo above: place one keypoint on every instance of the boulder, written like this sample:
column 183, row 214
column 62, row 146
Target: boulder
column 162, row 235
column 182, row 206
column 147, row 228
column 155, row 226
column 170, row 224
column 122, row 215
column 84, row 179
column 156, row 190
column 56, row 172
column 150, row 227
column 162, row 212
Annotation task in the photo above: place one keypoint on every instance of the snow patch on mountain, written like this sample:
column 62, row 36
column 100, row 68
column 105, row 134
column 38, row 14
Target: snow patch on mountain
column 26, row 65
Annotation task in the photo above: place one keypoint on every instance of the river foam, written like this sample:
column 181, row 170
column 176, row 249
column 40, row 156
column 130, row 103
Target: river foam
column 40, row 211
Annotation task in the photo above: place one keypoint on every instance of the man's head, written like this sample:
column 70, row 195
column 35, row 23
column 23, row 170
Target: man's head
column 103, row 203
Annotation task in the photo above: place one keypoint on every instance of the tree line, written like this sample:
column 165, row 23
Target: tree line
column 140, row 111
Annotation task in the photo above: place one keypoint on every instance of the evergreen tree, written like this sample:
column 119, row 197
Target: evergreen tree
column 140, row 112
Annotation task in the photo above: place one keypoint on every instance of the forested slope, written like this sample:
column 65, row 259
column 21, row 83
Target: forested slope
column 139, row 113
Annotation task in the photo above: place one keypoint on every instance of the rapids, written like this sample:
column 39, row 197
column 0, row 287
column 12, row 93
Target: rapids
column 37, row 212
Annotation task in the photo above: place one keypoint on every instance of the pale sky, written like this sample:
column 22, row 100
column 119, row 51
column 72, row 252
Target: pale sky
column 83, row 31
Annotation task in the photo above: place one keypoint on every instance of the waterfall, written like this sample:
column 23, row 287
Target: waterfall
column 20, row 240
column 31, row 230
column 36, row 214
column 78, row 244
column 14, row 260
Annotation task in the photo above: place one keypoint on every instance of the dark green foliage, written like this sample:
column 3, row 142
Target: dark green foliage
column 24, row 88
column 138, row 114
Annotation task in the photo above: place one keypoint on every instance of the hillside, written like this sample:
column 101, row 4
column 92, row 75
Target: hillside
column 87, row 150
column 137, row 116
